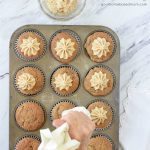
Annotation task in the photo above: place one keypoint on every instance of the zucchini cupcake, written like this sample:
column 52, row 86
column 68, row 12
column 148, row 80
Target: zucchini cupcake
column 30, row 115
column 100, row 46
column 28, row 142
column 65, row 45
column 101, row 114
column 100, row 142
column 29, row 80
column 65, row 80
column 60, row 107
column 30, row 45
column 99, row 81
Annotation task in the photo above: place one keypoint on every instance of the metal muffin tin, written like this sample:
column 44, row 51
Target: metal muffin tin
column 48, row 63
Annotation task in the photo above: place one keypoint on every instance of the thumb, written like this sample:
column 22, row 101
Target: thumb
column 58, row 122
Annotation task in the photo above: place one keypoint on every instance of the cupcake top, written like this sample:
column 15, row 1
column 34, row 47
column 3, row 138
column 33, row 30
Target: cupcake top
column 65, row 81
column 27, row 143
column 29, row 80
column 30, row 45
column 30, row 116
column 64, row 47
column 59, row 108
column 61, row 7
column 99, row 81
column 101, row 114
column 99, row 46
column 100, row 143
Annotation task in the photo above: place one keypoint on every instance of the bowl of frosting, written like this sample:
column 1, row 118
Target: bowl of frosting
column 62, row 9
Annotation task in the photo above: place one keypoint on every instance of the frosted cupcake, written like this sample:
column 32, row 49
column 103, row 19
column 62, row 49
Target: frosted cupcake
column 100, row 46
column 99, row 81
column 29, row 80
column 65, row 46
column 65, row 80
column 30, row 45
column 101, row 114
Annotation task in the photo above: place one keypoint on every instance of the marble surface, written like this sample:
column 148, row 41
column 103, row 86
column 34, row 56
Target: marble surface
column 131, row 23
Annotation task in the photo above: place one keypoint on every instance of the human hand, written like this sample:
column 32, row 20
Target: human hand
column 80, row 127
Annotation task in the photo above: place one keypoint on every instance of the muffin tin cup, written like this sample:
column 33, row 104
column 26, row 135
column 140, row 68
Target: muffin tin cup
column 107, row 68
column 73, row 34
column 25, row 58
column 61, row 101
column 113, row 114
column 106, row 137
column 33, row 136
column 28, row 101
column 65, row 66
column 33, row 66
column 109, row 34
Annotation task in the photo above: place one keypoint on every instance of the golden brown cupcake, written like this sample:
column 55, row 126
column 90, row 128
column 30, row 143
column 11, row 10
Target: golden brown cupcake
column 30, row 45
column 29, row 80
column 30, row 116
column 100, row 143
column 27, row 143
column 65, row 81
column 99, row 46
column 99, row 81
column 101, row 114
column 64, row 46
column 59, row 108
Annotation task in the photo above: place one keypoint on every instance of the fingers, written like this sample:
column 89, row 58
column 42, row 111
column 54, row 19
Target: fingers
column 58, row 122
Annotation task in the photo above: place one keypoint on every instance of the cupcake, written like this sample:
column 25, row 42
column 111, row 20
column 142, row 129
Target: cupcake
column 100, row 143
column 59, row 108
column 29, row 80
column 99, row 81
column 30, row 45
column 30, row 116
column 65, row 80
column 27, row 143
column 100, row 46
column 65, row 45
column 101, row 114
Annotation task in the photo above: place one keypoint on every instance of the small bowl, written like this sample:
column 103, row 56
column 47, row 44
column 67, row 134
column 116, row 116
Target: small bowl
column 76, row 12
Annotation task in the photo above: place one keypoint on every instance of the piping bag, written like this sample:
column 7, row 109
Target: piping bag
column 59, row 139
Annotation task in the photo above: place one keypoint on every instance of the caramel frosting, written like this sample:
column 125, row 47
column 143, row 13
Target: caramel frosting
column 100, row 47
column 63, row 81
column 65, row 48
column 26, row 81
column 61, row 7
column 99, row 115
column 30, row 46
column 99, row 81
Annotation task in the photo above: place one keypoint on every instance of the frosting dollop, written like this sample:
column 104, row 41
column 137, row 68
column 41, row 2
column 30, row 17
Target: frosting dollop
column 26, row 81
column 63, row 82
column 65, row 48
column 61, row 7
column 100, row 47
column 30, row 46
column 99, row 81
column 99, row 115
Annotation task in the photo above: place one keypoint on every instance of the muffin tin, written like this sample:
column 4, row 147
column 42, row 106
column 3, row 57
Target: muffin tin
column 47, row 63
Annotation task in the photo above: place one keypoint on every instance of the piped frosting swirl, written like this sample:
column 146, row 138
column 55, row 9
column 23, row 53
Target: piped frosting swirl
column 65, row 48
column 63, row 81
column 100, row 47
column 26, row 81
column 30, row 46
column 99, row 81
column 99, row 115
